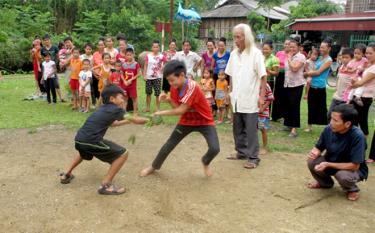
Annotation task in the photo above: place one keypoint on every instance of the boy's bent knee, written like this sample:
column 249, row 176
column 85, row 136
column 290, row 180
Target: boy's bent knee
column 125, row 155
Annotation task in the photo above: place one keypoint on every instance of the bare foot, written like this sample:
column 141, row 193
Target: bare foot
column 147, row 171
column 263, row 151
column 207, row 171
column 314, row 185
column 146, row 110
column 305, row 97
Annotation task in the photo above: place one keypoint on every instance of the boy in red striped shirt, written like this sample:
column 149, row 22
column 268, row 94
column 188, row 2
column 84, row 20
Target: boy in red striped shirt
column 187, row 100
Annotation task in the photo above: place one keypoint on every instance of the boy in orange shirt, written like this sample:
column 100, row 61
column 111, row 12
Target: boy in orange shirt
column 76, row 67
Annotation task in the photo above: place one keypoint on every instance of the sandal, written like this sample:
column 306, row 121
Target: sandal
column 110, row 189
column 250, row 165
column 66, row 178
column 314, row 185
column 352, row 196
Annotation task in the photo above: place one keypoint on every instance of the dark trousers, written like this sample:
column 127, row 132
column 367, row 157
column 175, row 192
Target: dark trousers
column 179, row 133
column 317, row 106
column 372, row 149
column 278, row 92
column 292, row 116
column 95, row 94
column 165, row 85
column 363, row 113
column 49, row 84
column 245, row 134
column 334, row 103
column 347, row 179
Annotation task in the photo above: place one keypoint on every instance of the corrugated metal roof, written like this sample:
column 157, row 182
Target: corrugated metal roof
column 240, row 9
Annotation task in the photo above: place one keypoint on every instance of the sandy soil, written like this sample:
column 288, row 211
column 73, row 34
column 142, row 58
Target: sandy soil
column 272, row 198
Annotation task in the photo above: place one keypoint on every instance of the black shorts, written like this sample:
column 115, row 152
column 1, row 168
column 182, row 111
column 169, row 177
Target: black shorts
column 56, row 82
column 105, row 150
column 153, row 84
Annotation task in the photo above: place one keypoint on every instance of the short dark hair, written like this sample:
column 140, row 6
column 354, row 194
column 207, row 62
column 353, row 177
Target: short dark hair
column 269, row 43
column 121, row 36
column 46, row 36
column 88, row 45
column 327, row 41
column 174, row 67
column 68, row 38
column 76, row 49
column 186, row 41
column 129, row 50
column 295, row 42
column 111, row 91
column 156, row 42
column 86, row 61
column 347, row 112
column 118, row 62
column 172, row 41
column 46, row 54
column 209, row 39
column 347, row 51
column 106, row 54
column 361, row 47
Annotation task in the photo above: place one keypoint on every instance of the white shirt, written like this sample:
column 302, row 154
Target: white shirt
column 191, row 59
column 154, row 66
column 246, row 70
column 83, row 76
column 48, row 68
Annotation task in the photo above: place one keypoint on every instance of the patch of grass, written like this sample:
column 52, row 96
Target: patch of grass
column 16, row 113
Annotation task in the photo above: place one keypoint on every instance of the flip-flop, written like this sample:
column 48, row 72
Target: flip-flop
column 249, row 165
column 115, row 190
column 65, row 178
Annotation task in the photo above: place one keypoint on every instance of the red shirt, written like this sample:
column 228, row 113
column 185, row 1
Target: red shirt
column 267, row 98
column 130, row 71
column 120, row 57
column 116, row 78
column 199, row 112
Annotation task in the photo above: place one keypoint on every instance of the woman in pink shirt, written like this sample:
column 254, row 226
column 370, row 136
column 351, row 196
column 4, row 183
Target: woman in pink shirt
column 278, row 104
column 368, row 82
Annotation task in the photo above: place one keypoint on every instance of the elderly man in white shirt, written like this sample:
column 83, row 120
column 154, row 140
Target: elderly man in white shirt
column 191, row 59
column 248, row 74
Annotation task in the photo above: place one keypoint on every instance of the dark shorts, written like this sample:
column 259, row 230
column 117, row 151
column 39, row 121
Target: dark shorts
column 105, row 151
column 56, row 82
column 153, row 84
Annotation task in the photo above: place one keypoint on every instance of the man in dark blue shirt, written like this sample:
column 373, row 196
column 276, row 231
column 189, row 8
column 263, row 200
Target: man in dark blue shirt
column 344, row 158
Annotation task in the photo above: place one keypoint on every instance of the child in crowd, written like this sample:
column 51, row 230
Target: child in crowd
column 356, row 68
column 264, row 118
column 89, row 141
column 310, row 66
column 85, row 78
column 117, row 77
column 36, row 56
column 49, row 74
column 104, row 71
column 153, row 67
column 188, row 101
column 343, row 86
column 208, row 86
column 75, row 64
column 221, row 95
column 132, row 71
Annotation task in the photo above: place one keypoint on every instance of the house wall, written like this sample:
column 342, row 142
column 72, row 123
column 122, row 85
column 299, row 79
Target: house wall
column 216, row 28
column 353, row 6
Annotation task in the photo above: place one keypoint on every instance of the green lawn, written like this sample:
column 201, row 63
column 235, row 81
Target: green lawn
column 16, row 113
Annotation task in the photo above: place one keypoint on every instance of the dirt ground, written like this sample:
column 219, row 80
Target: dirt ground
column 271, row 198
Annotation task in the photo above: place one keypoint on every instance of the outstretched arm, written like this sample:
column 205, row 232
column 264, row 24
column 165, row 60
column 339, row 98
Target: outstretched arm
column 181, row 109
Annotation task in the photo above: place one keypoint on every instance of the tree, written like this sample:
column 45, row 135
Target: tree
column 91, row 26
column 268, row 5
column 257, row 22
